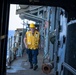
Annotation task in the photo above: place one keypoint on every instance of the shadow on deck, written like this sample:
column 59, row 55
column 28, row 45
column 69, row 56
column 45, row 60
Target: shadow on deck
column 21, row 67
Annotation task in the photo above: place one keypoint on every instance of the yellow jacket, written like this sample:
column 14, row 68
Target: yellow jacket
column 32, row 41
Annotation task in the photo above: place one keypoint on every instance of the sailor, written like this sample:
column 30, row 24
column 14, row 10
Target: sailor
column 31, row 41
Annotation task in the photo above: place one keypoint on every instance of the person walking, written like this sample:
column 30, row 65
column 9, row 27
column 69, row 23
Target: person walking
column 31, row 41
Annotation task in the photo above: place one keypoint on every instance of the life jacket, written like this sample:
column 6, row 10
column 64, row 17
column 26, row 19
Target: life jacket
column 32, row 40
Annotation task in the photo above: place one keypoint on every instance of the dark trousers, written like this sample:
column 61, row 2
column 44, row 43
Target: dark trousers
column 32, row 56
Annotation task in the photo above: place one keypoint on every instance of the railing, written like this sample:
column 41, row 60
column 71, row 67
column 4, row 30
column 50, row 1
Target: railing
column 14, row 47
column 69, row 68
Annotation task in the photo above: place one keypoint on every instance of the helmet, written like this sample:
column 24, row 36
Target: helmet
column 32, row 25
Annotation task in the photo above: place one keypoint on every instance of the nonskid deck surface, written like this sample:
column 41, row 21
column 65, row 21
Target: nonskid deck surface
column 21, row 67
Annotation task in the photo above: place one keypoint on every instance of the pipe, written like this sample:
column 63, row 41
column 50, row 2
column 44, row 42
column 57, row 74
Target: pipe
column 47, row 68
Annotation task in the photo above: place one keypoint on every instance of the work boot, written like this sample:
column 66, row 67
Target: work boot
column 31, row 66
column 35, row 67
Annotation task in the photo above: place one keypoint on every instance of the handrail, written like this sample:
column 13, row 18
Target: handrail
column 70, row 68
